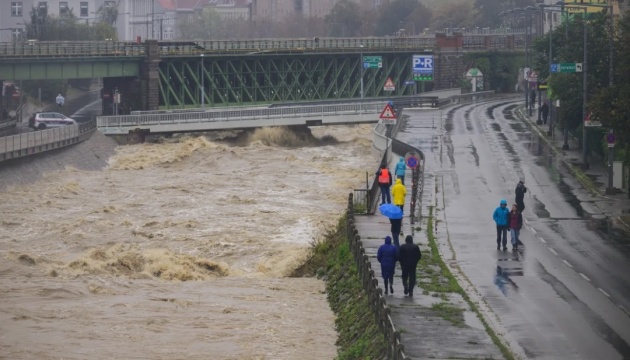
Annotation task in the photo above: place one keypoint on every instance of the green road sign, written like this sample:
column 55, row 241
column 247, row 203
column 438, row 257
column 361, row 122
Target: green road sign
column 569, row 67
column 372, row 62
column 423, row 77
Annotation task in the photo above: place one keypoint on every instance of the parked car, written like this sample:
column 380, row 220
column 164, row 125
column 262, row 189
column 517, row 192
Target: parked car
column 46, row 120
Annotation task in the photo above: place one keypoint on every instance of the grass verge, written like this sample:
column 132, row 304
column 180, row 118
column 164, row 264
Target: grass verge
column 448, row 283
column 358, row 333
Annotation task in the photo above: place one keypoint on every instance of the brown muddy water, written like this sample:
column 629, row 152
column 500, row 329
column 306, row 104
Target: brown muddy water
column 178, row 250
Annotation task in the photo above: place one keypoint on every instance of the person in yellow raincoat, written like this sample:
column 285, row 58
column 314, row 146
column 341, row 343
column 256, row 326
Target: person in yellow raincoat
column 398, row 193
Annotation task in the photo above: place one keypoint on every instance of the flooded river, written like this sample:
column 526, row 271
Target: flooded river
column 178, row 249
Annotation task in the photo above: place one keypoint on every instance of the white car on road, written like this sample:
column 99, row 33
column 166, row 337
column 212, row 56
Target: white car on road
column 46, row 120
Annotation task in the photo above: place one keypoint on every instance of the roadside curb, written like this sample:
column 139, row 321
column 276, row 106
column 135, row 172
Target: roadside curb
column 585, row 182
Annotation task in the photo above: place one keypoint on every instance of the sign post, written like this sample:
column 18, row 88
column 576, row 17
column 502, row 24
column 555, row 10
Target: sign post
column 422, row 67
column 566, row 68
column 372, row 62
column 389, row 85
column 473, row 74
column 412, row 160
column 611, row 140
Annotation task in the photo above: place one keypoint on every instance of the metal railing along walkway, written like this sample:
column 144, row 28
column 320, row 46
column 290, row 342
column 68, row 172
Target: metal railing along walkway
column 85, row 49
column 243, row 118
column 34, row 142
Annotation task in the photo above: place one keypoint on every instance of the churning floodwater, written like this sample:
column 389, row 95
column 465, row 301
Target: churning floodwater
column 179, row 249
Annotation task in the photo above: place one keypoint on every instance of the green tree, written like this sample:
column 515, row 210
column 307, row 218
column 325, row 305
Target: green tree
column 453, row 15
column 108, row 14
column 205, row 25
column 66, row 27
column 343, row 19
column 488, row 10
column 405, row 11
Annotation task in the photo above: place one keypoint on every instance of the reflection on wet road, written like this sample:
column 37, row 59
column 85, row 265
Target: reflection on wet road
column 563, row 295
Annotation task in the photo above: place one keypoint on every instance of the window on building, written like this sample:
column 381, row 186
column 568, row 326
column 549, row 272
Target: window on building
column 63, row 8
column 84, row 9
column 16, row 34
column 110, row 4
column 16, row 8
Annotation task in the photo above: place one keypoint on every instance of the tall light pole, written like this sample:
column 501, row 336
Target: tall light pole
column 203, row 88
column 362, row 65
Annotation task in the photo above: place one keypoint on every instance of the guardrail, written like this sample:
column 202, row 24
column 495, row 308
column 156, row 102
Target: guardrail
column 119, row 124
column 48, row 49
column 12, row 147
column 395, row 348
column 325, row 44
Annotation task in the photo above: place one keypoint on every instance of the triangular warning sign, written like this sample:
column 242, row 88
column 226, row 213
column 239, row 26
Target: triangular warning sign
column 389, row 82
column 388, row 113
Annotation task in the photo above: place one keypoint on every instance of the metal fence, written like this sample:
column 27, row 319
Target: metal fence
column 121, row 121
column 48, row 49
column 395, row 348
column 34, row 142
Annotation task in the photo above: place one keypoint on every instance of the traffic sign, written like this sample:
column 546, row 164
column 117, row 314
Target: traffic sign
column 422, row 67
column 388, row 113
column 372, row 62
column 566, row 67
column 591, row 123
column 389, row 85
column 409, row 82
column 412, row 160
column 610, row 139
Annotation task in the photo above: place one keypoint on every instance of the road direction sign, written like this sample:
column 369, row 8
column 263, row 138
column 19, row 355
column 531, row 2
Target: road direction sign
column 372, row 62
column 422, row 67
column 566, row 67
column 409, row 82
column 389, row 85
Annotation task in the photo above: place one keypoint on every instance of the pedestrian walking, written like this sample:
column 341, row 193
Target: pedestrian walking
column 387, row 255
column 544, row 111
column 60, row 100
column 409, row 254
column 500, row 217
column 400, row 170
column 399, row 192
column 396, row 228
column 384, row 182
column 515, row 223
column 519, row 192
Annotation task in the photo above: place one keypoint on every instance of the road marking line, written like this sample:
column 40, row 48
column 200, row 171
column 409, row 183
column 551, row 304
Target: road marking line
column 603, row 292
column 567, row 264
column 542, row 240
column 585, row 277
column 526, row 221
column 623, row 308
column 533, row 230
column 553, row 251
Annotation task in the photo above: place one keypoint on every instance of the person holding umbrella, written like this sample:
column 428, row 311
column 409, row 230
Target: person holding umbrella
column 387, row 255
column 395, row 215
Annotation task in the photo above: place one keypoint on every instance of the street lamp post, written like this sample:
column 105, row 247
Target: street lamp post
column 203, row 88
column 361, row 64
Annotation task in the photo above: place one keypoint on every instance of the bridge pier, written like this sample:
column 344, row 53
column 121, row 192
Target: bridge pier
column 150, row 77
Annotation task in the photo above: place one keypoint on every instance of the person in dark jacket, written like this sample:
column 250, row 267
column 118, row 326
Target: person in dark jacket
column 384, row 177
column 520, row 196
column 515, row 222
column 409, row 254
column 396, row 230
column 387, row 255
column 544, row 111
column 500, row 217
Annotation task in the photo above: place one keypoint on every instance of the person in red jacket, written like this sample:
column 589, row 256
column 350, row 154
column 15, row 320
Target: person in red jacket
column 515, row 223
column 384, row 177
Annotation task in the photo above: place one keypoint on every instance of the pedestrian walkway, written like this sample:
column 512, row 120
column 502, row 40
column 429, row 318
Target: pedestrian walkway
column 433, row 324
column 614, row 206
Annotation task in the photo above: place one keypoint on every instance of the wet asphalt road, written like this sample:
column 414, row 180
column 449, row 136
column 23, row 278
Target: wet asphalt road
column 564, row 294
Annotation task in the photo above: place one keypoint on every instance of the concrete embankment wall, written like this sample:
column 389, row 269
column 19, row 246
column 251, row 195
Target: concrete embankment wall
column 91, row 154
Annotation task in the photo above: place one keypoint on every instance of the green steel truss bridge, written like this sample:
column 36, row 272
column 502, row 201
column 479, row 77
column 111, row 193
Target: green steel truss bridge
column 192, row 74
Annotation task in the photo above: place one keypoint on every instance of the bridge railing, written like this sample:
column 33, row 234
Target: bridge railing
column 70, row 49
column 237, row 115
column 172, row 48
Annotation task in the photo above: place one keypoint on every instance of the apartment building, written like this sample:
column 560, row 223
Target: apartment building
column 278, row 10
column 14, row 15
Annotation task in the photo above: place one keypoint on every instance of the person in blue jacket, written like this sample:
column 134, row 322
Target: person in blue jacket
column 387, row 255
column 500, row 217
column 400, row 170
